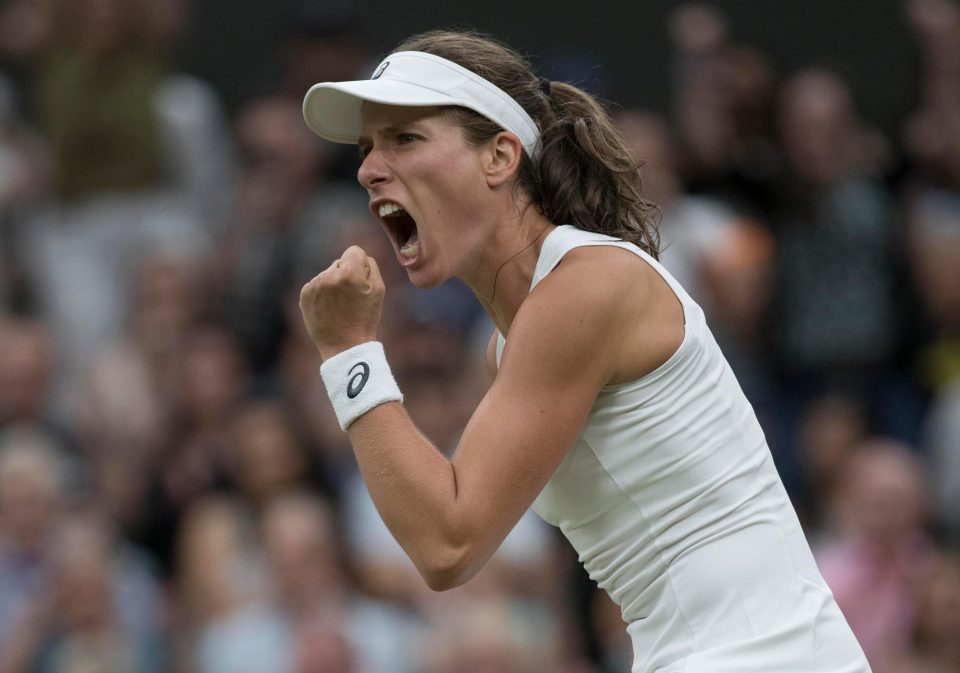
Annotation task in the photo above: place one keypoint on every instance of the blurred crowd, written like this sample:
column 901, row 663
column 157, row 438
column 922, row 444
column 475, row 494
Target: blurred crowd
column 175, row 493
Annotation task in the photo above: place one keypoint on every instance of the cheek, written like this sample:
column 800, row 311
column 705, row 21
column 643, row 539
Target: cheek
column 451, row 194
column 446, row 183
column 452, row 171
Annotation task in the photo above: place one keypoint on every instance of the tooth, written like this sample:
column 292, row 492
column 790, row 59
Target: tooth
column 388, row 209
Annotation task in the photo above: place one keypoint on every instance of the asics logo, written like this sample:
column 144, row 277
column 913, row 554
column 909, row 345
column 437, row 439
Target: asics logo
column 359, row 380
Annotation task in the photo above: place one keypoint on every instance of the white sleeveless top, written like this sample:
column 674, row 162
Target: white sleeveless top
column 671, row 499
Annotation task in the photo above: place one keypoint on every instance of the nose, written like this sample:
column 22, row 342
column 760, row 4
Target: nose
column 372, row 170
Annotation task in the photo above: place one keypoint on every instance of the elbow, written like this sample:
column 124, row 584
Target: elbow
column 442, row 581
column 447, row 568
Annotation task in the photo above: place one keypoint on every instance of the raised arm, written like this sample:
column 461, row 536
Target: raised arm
column 451, row 515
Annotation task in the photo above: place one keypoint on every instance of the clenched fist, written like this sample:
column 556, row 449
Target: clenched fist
column 341, row 306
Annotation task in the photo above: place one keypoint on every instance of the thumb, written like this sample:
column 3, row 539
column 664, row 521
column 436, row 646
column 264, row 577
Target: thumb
column 373, row 273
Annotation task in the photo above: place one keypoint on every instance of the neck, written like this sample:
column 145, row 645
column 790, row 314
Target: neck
column 502, row 276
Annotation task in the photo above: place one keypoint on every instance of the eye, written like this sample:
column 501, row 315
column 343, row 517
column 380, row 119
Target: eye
column 405, row 138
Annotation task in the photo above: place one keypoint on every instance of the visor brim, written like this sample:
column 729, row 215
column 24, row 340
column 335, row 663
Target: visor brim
column 333, row 110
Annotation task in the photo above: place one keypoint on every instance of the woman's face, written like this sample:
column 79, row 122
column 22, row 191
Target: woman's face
column 426, row 187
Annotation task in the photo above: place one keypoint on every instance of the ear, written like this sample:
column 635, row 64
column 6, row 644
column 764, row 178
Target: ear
column 503, row 158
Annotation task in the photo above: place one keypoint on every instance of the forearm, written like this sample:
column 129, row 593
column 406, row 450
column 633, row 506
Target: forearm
column 414, row 488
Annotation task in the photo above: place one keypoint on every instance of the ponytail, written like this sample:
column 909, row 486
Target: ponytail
column 584, row 174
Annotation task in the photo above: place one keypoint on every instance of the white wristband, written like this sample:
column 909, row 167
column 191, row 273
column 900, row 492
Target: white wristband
column 357, row 380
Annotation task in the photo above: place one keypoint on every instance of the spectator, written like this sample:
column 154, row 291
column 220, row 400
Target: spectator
column 831, row 428
column 723, row 102
column 931, row 131
column 933, row 245
column 942, row 447
column 198, row 149
column 306, row 399
column 211, row 381
column 322, row 647
column 283, row 218
column 836, row 237
column 487, row 636
column 33, row 495
column 225, row 623
column 318, row 599
column 880, row 553
column 25, row 180
column 266, row 458
column 325, row 45
column 101, row 610
column 28, row 364
column 99, row 69
column 838, row 307
column 935, row 646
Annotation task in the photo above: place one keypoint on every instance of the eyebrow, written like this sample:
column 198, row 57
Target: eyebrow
column 386, row 130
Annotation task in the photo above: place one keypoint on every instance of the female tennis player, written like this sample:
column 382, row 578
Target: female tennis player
column 612, row 411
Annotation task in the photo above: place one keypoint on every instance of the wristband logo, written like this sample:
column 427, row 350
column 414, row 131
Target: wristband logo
column 359, row 380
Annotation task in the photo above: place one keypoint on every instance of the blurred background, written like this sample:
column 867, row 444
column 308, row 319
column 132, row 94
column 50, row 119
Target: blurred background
column 175, row 494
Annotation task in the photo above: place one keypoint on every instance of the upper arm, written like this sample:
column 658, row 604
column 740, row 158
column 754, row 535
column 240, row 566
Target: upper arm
column 560, row 352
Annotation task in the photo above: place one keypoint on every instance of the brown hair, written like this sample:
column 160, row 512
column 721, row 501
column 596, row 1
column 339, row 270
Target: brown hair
column 584, row 175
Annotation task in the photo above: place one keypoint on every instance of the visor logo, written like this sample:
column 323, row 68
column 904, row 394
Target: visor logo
column 380, row 69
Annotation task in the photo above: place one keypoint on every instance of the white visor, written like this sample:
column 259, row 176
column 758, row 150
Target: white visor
column 332, row 110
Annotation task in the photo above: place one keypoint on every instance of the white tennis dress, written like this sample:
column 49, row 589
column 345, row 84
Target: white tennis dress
column 672, row 501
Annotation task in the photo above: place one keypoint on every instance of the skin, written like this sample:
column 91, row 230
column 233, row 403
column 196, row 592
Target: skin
column 567, row 338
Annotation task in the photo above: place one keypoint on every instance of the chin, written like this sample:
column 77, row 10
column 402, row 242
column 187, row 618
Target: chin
column 424, row 280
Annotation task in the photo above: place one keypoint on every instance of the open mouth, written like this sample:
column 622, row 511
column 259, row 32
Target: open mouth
column 402, row 229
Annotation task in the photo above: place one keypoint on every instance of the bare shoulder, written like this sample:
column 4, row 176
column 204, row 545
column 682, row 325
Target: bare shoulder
column 604, row 281
column 615, row 300
column 620, row 267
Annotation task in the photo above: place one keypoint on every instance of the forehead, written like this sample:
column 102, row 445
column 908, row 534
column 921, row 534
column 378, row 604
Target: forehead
column 377, row 116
